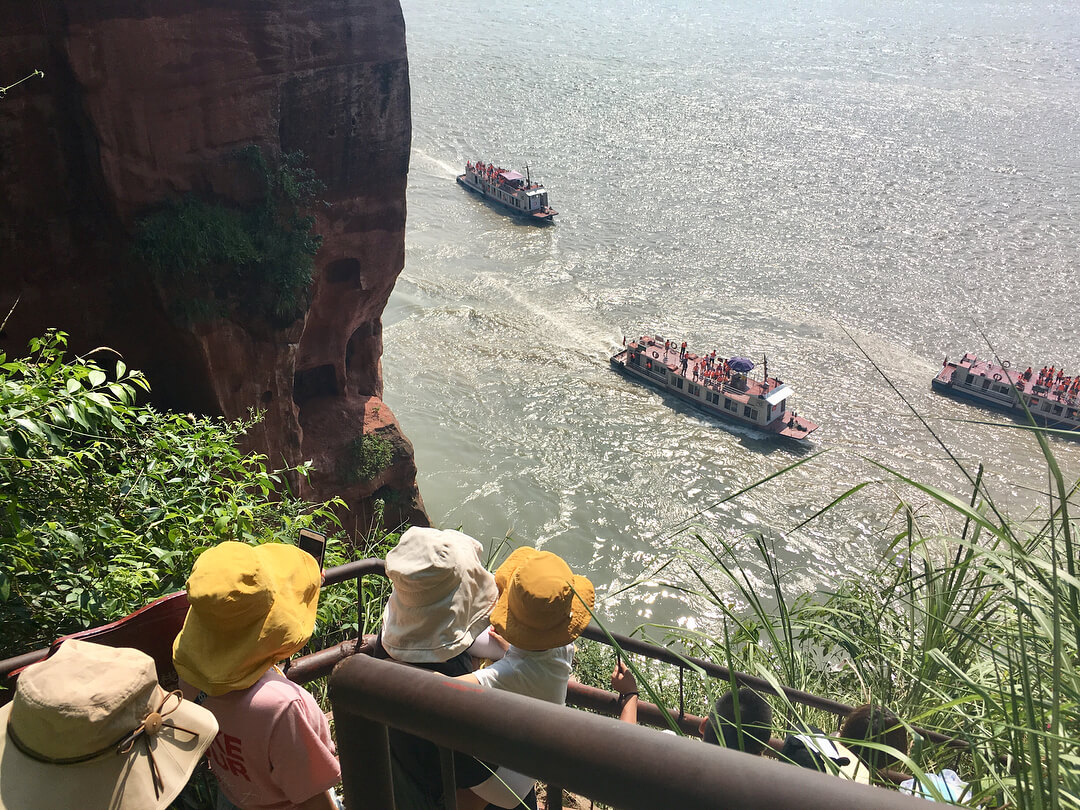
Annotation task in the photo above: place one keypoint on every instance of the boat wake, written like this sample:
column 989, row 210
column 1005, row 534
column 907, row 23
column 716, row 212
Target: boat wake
column 443, row 168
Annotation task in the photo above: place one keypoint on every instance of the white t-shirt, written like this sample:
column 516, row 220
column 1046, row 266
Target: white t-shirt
column 542, row 674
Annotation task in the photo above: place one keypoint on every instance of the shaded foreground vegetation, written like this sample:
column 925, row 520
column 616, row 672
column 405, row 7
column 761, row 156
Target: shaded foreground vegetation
column 105, row 503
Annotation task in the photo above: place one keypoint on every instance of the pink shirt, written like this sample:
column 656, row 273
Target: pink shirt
column 273, row 749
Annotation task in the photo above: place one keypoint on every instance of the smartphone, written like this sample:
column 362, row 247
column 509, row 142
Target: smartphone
column 314, row 543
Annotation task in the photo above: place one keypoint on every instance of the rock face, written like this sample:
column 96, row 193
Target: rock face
column 146, row 100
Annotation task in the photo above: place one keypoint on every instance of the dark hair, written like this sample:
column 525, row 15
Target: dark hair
column 876, row 724
column 755, row 722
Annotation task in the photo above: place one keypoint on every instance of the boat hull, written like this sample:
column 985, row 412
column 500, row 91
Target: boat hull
column 797, row 429
column 539, row 217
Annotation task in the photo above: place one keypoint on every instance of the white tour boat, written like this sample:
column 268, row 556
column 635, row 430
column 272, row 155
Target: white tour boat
column 720, row 386
column 513, row 192
column 1052, row 398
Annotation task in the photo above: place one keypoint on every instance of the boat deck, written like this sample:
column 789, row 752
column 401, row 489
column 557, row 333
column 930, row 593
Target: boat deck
column 789, row 425
column 984, row 368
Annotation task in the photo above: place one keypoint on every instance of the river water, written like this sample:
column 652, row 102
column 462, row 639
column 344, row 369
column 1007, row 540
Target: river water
column 804, row 181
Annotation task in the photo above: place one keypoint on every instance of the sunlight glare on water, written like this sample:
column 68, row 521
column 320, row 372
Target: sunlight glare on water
column 751, row 177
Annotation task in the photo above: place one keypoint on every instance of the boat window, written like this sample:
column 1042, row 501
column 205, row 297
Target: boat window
column 678, row 382
column 693, row 390
column 986, row 384
column 731, row 406
column 749, row 413
column 1057, row 410
column 783, row 405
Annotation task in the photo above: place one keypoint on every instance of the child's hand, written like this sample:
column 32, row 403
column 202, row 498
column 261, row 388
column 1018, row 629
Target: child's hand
column 502, row 642
column 622, row 679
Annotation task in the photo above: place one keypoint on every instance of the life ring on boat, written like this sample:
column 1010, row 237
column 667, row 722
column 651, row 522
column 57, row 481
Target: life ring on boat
column 656, row 354
column 648, row 365
column 997, row 377
column 1005, row 364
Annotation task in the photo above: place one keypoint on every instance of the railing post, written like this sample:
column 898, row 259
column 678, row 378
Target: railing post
column 449, row 778
column 364, row 753
column 682, row 704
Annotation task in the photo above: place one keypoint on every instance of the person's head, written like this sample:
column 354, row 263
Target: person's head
column 755, row 720
column 542, row 604
column 875, row 724
column 441, row 599
column 91, row 727
column 251, row 606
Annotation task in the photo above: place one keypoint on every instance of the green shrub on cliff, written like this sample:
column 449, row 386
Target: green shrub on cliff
column 214, row 258
column 105, row 503
column 365, row 457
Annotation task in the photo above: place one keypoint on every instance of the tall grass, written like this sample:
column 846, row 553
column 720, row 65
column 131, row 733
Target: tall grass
column 972, row 631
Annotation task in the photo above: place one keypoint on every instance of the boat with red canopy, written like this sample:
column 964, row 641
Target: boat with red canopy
column 720, row 386
column 511, row 191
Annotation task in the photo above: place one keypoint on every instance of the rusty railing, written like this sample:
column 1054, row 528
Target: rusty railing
column 627, row 766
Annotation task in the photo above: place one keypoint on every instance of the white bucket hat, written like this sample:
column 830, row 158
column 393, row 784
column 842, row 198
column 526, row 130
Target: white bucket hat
column 441, row 599
column 90, row 728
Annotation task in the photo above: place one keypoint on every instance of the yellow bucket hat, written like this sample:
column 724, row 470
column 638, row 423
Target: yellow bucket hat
column 251, row 606
column 542, row 603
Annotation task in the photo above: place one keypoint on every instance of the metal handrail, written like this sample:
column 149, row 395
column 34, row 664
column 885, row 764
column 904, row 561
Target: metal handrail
column 625, row 765
column 315, row 665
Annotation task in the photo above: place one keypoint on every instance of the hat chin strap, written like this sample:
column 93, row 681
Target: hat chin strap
column 150, row 726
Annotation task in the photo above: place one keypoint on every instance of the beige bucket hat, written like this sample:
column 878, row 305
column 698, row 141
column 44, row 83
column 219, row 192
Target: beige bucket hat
column 441, row 599
column 90, row 728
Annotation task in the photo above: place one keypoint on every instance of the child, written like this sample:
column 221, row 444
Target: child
column 439, row 606
column 749, row 732
column 252, row 606
column 91, row 728
column 542, row 607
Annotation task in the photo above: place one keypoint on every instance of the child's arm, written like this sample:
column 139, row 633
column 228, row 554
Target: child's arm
column 489, row 644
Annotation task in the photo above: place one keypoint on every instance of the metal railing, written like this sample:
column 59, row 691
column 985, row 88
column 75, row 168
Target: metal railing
column 624, row 765
column 313, row 666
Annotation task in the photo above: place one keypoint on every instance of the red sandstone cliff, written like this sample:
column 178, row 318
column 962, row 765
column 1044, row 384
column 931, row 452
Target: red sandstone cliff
column 146, row 99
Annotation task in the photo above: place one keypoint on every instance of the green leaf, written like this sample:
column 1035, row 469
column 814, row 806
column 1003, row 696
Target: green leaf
column 73, row 385
column 29, row 426
column 96, row 378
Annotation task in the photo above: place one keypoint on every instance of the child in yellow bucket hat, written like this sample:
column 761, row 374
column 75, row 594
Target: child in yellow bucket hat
column 252, row 606
column 542, row 607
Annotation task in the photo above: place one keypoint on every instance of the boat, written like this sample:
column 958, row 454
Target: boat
column 721, row 387
column 511, row 191
column 1051, row 397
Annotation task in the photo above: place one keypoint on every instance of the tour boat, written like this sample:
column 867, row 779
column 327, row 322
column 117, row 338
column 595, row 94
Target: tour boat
column 719, row 386
column 513, row 192
column 1052, row 398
